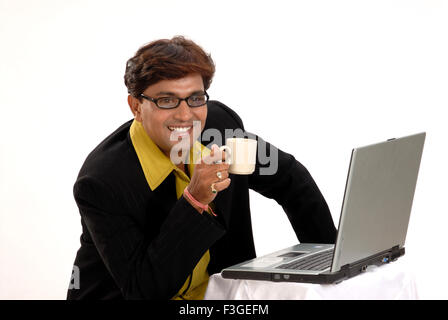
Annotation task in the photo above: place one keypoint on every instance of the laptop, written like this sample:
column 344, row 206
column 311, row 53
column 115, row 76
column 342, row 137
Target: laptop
column 373, row 223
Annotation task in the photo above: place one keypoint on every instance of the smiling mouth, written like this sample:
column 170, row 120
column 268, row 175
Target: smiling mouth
column 180, row 129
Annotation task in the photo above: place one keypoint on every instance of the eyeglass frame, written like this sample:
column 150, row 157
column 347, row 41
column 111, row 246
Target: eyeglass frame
column 155, row 101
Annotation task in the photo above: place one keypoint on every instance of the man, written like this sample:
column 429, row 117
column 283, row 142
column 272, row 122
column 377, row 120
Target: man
column 154, row 228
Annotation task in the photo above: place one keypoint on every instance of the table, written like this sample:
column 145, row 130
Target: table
column 388, row 282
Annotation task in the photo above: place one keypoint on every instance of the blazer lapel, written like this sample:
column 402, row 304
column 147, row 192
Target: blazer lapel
column 165, row 194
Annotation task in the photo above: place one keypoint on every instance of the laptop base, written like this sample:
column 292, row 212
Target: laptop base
column 347, row 271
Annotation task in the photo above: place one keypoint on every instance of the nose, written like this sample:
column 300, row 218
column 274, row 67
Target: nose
column 183, row 112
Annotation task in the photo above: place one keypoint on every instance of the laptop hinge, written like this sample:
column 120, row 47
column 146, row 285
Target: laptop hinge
column 396, row 252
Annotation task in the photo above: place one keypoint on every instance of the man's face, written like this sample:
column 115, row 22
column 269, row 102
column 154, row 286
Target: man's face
column 164, row 125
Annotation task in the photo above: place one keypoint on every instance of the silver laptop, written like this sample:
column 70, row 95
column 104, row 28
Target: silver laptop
column 373, row 223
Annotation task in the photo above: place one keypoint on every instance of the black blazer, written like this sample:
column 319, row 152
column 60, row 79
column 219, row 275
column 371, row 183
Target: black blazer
column 143, row 244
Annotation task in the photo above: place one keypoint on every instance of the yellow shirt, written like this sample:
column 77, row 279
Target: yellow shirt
column 156, row 167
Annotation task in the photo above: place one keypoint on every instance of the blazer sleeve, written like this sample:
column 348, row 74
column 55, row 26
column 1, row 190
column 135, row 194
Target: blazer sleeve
column 142, row 268
column 288, row 182
column 292, row 186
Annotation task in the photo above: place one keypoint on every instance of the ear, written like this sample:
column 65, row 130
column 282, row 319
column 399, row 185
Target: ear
column 135, row 106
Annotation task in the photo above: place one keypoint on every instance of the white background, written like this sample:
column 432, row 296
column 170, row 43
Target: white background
column 315, row 78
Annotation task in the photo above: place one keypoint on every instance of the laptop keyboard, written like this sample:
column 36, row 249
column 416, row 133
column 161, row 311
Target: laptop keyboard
column 317, row 262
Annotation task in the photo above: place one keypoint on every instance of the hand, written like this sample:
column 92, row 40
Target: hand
column 206, row 174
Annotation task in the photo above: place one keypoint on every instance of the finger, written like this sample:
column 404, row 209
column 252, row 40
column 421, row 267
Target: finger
column 209, row 159
column 221, row 167
column 215, row 155
column 213, row 149
column 222, row 185
column 224, row 175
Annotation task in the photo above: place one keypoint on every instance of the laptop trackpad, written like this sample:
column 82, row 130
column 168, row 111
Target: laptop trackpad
column 292, row 254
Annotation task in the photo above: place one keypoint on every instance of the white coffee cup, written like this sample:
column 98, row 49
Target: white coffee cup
column 241, row 155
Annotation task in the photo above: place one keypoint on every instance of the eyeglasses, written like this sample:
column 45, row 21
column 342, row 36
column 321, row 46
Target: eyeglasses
column 193, row 101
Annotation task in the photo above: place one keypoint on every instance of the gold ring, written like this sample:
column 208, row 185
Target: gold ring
column 219, row 175
column 212, row 187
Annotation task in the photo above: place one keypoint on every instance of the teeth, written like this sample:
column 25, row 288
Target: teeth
column 180, row 129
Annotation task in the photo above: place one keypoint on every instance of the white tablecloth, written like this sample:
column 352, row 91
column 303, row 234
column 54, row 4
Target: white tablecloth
column 391, row 281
